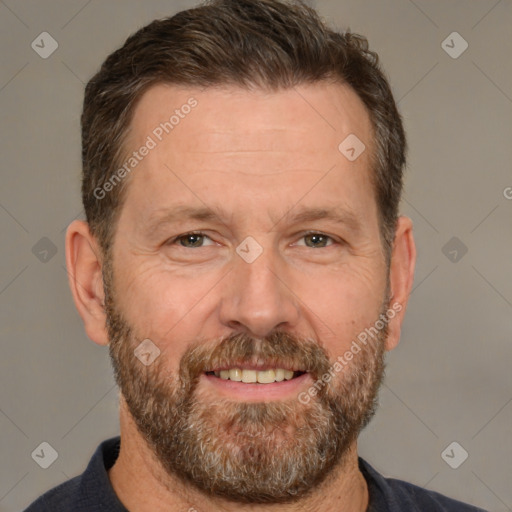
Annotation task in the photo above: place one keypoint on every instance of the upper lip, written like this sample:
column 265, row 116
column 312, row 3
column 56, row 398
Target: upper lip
column 255, row 365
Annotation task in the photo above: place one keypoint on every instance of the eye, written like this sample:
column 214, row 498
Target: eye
column 191, row 240
column 317, row 240
column 196, row 239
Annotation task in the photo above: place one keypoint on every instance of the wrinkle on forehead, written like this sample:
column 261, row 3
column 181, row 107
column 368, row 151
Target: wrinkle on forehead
column 237, row 145
column 233, row 119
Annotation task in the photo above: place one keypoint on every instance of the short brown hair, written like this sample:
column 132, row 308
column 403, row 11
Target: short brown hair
column 266, row 44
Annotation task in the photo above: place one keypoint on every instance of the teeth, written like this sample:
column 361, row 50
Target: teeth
column 267, row 376
column 235, row 374
column 252, row 376
column 249, row 376
column 288, row 374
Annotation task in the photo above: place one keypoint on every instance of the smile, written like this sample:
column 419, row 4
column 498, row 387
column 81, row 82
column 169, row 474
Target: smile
column 249, row 376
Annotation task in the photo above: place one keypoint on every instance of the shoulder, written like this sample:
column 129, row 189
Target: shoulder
column 423, row 499
column 393, row 495
column 58, row 499
column 89, row 491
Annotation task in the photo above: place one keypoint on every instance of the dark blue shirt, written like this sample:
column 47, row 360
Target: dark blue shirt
column 92, row 491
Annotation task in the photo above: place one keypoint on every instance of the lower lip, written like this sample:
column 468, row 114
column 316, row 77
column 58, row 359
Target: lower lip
column 258, row 392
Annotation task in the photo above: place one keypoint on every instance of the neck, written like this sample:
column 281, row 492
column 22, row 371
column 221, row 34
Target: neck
column 142, row 485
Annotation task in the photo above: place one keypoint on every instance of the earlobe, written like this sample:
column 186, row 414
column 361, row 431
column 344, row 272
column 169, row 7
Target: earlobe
column 84, row 265
column 403, row 261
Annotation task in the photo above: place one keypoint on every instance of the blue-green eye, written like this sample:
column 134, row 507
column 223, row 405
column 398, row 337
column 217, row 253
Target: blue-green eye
column 318, row 240
column 191, row 240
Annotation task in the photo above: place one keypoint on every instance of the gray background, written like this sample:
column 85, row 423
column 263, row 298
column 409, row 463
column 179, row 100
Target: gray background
column 449, row 379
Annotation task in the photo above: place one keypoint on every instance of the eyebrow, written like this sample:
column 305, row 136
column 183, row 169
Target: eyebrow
column 338, row 215
column 168, row 215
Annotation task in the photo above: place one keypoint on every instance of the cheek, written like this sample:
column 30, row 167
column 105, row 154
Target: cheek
column 161, row 304
column 343, row 304
column 173, row 307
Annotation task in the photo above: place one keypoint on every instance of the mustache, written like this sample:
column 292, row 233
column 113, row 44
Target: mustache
column 278, row 350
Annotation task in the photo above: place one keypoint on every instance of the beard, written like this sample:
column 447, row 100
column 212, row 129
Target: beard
column 245, row 452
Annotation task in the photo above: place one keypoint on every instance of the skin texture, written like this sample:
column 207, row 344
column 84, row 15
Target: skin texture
column 256, row 159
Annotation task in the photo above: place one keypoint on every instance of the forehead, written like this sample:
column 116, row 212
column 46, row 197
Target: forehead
column 231, row 144
column 225, row 117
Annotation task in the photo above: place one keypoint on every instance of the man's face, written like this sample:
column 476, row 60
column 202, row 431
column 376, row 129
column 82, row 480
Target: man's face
column 261, row 285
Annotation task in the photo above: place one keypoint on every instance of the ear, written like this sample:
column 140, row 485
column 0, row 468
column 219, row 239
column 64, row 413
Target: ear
column 403, row 261
column 83, row 261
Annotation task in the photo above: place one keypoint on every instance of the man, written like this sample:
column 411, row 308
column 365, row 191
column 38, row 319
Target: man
column 244, row 261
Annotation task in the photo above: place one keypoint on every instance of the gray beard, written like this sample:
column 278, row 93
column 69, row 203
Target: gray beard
column 246, row 452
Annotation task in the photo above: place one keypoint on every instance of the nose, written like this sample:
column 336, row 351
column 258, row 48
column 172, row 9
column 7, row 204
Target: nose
column 258, row 298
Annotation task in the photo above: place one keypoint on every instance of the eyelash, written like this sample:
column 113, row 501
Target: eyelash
column 172, row 241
